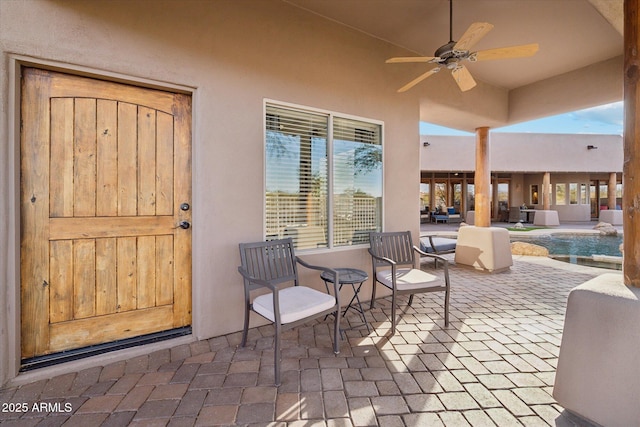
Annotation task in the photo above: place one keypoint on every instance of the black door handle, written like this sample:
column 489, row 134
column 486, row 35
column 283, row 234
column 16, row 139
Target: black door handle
column 184, row 225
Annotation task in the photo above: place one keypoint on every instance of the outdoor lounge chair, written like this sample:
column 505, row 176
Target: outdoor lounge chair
column 394, row 266
column 448, row 216
column 270, row 265
column 437, row 245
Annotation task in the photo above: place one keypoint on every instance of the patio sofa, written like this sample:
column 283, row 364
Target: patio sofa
column 449, row 215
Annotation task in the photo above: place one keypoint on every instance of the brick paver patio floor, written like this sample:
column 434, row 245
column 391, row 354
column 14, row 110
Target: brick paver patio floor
column 494, row 365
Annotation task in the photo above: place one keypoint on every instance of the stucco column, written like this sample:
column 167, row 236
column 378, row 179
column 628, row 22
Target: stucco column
column 483, row 247
column 631, row 165
column 546, row 191
column 611, row 192
column 482, row 179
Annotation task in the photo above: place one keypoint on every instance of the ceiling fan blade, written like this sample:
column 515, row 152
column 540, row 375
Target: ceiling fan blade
column 521, row 51
column 474, row 33
column 403, row 59
column 463, row 77
column 418, row 79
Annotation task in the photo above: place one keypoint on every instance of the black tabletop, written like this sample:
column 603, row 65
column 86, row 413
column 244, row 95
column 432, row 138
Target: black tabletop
column 346, row 275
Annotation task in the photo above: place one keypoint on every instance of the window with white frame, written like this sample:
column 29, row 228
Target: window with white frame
column 323, row 177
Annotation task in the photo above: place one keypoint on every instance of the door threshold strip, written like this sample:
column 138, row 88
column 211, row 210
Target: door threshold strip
column 93, row 350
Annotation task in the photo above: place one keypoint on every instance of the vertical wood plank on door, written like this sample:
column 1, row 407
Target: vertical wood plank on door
column 34, row 210
column 126, row 273
column 61, row 189
column 146, row 161
column 146, row 271
column 127, row 159
column 61, row 273
column 106, row 288
column 164, row 270
column 84, row 199
column 84, row 278
column 107, row 161
column 164, row 184
column 182, row 189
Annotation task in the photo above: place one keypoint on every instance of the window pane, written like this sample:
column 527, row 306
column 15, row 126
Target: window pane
column 584, row 194
column 534, row 194
column 604, row 198
column 357, row 181
column 561, row 194
column 296, row 176
column 425, row 195
column 503, row 196
column 456, row 190
column 440, row 195
column 471, row 197
column 573, row 193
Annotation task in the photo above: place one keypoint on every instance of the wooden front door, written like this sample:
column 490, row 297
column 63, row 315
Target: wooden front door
column 105, row 188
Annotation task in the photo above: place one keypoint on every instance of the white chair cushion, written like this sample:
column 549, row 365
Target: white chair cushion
column 296, row 302
column 408, row 278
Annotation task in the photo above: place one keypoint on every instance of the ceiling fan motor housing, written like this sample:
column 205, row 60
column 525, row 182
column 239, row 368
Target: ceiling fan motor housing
column 446, row 54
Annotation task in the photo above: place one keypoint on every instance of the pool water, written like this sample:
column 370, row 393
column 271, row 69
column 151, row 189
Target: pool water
column 590, row 261
column 580, row 249
column 576, row 244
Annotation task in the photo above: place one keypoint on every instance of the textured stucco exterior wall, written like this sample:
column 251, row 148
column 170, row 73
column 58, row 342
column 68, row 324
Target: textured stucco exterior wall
column 525, row 152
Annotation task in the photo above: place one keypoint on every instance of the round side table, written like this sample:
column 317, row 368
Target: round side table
column 355, row 278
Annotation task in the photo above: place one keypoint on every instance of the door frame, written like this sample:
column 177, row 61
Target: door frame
column 10, row 343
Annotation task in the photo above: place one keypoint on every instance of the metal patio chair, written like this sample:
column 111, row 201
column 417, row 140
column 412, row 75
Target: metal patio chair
column 272, row 265
column 394, row 265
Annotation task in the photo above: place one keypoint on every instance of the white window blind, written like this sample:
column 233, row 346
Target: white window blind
column 317, row 199
column 357, row 180
column 296, row 187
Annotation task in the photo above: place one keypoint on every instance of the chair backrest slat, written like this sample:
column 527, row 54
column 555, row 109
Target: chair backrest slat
column 396, row 246
column 272, row 261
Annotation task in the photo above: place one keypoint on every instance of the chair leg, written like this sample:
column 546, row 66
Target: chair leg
column 410, row 300
column 336, row 332
column 373, row 294
column 446, row 308
column 276, row 356
column 245, row 330
column 393, row 314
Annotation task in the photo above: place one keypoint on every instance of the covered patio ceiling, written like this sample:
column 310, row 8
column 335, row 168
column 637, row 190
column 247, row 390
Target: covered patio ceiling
column 579, row 63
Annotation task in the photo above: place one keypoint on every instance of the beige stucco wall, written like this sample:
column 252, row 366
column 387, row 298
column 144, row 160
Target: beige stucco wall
column 525, row 152
column 231, row 55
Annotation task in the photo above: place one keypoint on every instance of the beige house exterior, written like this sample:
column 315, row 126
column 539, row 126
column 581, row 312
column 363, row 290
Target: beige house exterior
column 229, row 57
column 581, row 165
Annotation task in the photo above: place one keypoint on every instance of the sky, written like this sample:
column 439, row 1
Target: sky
column 604, row 119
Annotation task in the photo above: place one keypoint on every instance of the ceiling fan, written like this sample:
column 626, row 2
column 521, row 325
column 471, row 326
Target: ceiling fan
column 452, row 54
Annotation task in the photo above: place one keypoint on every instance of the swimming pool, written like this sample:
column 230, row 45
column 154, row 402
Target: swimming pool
column 576, row 244
column 592, row 250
